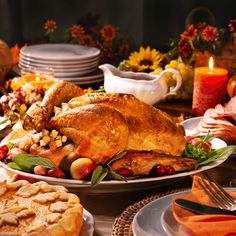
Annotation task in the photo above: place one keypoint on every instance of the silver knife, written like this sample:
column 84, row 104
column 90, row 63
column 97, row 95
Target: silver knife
column 202, row 209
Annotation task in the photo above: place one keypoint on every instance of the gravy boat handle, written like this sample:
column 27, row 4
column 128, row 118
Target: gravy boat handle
column 178, row 80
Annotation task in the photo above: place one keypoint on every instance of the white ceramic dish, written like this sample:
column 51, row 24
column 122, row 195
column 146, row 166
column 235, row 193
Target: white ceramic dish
column 88, row 226
column 144, row 86
column 59, row 51
column 120, row 186
column 66, row 73
column 60, row 67
column 190, row 125
column 59, row 62
column 156, row 219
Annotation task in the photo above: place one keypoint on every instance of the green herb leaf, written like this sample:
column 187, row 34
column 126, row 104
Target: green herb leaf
column 225, row 151
column 195, row 152
column 3, row 121
column 117, row 157
column 27, row 162
column 13, row 165
column 10, row 145
column 98, row 175
column 114, row 175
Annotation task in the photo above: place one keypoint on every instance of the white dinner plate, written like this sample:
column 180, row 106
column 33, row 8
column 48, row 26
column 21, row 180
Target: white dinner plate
column 156, row 218
column 61, row 67
column 65, row 52
column 59, row 62
column 95, row 75
column 88, row 224
column 106, row 186
column 190, row 125
column 66, row 73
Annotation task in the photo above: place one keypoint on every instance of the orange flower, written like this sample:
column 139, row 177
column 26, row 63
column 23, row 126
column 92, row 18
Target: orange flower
column 232, row 25
column 76, row 31
column 50, row 26
column 87, row 40
column 209, row 33
column 108, row 32
column 185, row 50
column 15, row 51
column 190, row 33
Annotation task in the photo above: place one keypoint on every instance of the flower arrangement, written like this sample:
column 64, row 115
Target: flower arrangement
column 198, row 42
column 113, row 44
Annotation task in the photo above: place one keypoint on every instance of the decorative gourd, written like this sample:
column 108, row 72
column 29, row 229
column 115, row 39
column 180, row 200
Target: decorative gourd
column 6, row 60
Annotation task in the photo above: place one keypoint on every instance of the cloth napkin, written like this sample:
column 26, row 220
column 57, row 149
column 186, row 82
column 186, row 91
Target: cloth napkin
column 203, row 225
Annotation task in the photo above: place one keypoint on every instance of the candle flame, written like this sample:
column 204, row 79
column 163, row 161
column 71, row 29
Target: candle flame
column 211, row 63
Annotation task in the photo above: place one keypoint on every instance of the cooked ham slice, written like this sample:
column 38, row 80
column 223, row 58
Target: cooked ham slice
column 220, row 121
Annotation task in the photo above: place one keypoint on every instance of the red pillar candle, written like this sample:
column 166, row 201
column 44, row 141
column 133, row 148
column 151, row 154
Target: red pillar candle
column 209, row 88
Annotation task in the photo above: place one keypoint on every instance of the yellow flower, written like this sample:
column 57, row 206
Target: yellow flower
column 50, row 26
column 145, row 60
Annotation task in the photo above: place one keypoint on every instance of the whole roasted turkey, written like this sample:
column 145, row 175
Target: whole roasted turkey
column 102, row 125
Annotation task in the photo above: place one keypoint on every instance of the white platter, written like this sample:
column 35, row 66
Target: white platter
column 88, row 225
column 120, row 186
column 156, row 219
column 59, row 52
column 190, row 125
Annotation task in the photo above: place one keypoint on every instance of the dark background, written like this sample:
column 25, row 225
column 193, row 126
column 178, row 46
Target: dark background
column 148, row 22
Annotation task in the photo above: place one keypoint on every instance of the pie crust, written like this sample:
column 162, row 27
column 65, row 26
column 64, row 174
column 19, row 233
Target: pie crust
column 38, row 209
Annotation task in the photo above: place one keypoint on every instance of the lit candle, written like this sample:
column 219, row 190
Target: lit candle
column 209, row 87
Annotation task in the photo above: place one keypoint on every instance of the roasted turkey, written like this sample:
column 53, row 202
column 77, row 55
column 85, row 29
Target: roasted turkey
column 102, row 125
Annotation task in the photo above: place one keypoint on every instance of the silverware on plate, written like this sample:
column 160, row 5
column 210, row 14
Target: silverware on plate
column 201, row 208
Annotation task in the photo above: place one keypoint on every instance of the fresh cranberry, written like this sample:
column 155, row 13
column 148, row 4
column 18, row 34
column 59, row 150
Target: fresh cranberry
column 56, row 172
column 170, row 170
column 40, row 170
column 8, row 159
column 125, row 172
column 160, row 170
column 2, row 155
column 4, row 148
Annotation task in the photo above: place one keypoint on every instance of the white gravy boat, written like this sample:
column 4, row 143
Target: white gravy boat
column 146, row 87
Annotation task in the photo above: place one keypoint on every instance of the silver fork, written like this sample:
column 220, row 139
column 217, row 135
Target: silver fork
column 217, row 194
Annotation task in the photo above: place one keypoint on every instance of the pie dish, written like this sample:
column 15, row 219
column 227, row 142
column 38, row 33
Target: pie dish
column 39, row 209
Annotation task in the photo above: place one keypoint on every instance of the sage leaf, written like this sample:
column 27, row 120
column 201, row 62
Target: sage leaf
column 225, row 151
column 117, row 157
column 27, row 162
column 98, row 175
column 114, row 175
column 13, row 165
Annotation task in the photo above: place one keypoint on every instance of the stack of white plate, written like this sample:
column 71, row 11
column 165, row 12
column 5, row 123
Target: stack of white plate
column 73, row 63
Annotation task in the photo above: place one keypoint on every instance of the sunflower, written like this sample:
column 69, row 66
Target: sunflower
column 145, row 60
